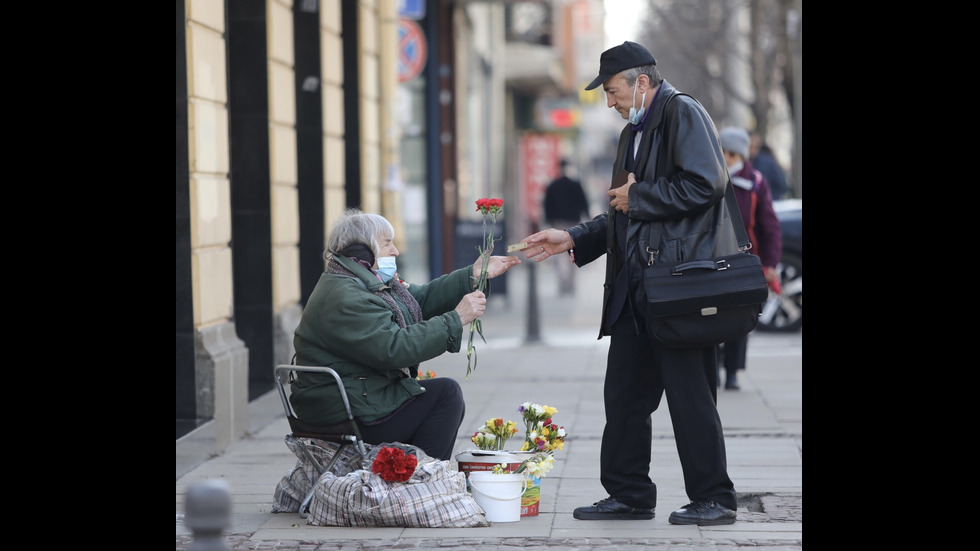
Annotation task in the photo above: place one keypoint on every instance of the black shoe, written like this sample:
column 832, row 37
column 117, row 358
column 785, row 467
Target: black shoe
column 731, row 382
column 610, row 509
column 703, row 513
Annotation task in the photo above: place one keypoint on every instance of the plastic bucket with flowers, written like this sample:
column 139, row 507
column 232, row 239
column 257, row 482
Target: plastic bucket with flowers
column 485, row 460
column 533, row 460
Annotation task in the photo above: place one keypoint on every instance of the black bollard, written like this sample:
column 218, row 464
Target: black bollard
column 533, row 316
column 207, row 513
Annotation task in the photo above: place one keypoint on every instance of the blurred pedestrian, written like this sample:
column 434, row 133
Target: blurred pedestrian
column 669, row 177
column 565, row 205
column 755, row 206
column 765, row 162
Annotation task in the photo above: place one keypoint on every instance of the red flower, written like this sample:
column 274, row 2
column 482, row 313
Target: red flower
column 394, row 465
column 489, row 206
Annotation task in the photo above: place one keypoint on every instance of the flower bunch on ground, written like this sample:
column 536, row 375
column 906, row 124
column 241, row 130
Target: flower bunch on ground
column 535, row 466
column 394, row 465
column 494, row 434
column 541, row 433
column 541, row 437
column 489, row 208
column 427, row 375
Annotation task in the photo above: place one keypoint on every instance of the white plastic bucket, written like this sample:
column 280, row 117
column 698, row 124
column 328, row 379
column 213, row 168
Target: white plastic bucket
column 484, row 460
column 499, row 494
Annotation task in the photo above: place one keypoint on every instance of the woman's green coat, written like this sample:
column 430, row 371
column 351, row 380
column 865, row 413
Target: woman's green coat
column 347, row 327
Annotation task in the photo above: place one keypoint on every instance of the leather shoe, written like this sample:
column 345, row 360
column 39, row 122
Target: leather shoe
column 731, row 382
column 703, row 513
column 610, row 509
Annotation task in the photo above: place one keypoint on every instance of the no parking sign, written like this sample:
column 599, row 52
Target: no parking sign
column 412, row 50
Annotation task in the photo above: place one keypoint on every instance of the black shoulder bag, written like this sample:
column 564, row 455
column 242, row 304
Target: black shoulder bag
column 708, row 301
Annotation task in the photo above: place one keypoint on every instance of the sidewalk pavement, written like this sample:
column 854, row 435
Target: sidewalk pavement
column 563, row 368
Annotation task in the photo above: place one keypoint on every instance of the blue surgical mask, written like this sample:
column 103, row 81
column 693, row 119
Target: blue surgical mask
column 387, row 268
column 637, row 116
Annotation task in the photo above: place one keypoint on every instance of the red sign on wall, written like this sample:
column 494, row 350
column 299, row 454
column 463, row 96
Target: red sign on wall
column 539, row 165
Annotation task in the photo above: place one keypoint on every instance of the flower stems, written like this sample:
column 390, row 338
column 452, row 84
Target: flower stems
column 476, row 326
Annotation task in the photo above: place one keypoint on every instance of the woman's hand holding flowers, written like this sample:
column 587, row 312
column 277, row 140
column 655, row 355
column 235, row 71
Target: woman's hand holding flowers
column 471, row 307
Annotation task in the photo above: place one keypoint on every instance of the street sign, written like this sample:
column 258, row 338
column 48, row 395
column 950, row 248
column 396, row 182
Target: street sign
column 412, row 50
column 412, row 9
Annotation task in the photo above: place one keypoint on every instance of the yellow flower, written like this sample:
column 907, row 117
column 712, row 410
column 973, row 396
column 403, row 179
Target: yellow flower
column 494, row 433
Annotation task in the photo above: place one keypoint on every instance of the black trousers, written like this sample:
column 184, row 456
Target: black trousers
column 430, row 421
column 638, row 374
column 733, row 354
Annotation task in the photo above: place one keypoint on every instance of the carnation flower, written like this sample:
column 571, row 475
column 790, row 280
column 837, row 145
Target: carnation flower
column 491, row 208
column 394, row 465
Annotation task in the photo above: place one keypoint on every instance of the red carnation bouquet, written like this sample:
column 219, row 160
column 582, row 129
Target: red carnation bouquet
column 394, row 465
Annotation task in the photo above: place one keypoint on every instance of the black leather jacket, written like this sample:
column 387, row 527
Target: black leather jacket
column 677, row 210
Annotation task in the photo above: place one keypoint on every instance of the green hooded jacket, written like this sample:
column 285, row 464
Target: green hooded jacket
column 349, row 328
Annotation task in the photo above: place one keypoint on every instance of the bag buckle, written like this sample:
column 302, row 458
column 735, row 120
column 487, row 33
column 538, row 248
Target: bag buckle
column 651, row 253
column 722, row 265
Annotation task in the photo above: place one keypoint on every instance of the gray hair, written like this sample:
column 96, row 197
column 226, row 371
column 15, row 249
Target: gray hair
column 355, row 226
column 649, row 70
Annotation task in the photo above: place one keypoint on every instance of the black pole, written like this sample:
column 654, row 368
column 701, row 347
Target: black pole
column 533, row 317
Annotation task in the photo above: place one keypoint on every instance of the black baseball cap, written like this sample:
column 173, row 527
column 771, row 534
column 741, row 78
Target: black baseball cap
column 619, row 58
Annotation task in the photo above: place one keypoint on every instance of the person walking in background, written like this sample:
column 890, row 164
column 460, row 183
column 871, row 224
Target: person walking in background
column 669, row 176
column 762, row 226
column 374, row 330
column 765, row 162
column 565, row 205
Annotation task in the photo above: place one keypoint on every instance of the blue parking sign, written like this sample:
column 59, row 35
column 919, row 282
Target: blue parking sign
column 412, row 9
column 412, row 50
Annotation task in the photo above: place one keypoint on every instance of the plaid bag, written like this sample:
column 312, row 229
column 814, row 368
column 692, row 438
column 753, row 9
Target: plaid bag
column 297, row 483
column 435, row 496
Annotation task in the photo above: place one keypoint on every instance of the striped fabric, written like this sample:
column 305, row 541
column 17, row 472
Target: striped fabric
column 435, row 496
column 297, row 483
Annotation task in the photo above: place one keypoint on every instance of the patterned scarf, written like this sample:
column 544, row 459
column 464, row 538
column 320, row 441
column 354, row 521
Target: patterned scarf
column 394, row 286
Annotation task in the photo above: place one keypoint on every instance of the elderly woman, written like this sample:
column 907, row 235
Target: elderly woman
column 375, row 330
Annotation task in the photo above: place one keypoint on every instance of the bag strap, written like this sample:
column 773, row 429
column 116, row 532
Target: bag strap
column 653, row 236
column 735, row 216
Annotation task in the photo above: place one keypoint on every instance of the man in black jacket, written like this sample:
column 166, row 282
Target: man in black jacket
column 666, row 205
column 565, row 205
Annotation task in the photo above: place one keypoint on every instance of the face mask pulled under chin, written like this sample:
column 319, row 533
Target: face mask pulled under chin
column 387, row 268
column 637, row 116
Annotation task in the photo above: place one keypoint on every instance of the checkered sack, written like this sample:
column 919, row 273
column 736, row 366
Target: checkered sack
column 435, row 496
column 297, row 483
